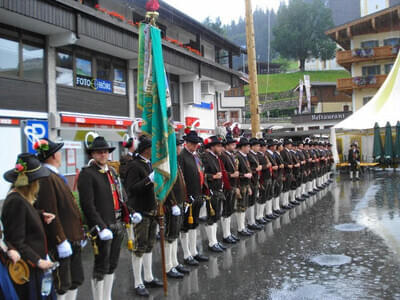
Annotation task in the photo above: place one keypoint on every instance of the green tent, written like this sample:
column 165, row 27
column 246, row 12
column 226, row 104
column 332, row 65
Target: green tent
column 397, row 144
column 378, row 149
column 388, row 144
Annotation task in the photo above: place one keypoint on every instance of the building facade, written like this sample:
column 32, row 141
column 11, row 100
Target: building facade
column 370, row 47
column 73, row 64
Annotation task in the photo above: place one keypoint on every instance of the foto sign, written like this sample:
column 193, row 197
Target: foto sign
column 96, row 84
column 34, row 130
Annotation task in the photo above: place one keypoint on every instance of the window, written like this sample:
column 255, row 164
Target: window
column 313, row 92
column 119, row 81
column 83, row 67
column 32, row 60
column 103, row 67
column 392, row 42
column 371, row 70
column 9, row 53
column 64, row 69
column 346, row 108
column 366, row 99
column 369, row 44
column 388, row 68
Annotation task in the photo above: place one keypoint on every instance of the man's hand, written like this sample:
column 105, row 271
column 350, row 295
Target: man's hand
column 217, row 176
column 13, row 255
column 248, row 175
column 48, row 217
column 235, row 174
column 259, row 168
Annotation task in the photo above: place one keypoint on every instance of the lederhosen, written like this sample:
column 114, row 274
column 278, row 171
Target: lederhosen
column 231, row 165
column 314, row 164
column 255, row 180
column 307, row 166
column 289, row 178
column 280, row 175
column 102, row 201
column 265, row 178
column 213, row 165
column 173, row 224
column 354, row 157
column 193, row 174
column 273, row 176
column 242, row 202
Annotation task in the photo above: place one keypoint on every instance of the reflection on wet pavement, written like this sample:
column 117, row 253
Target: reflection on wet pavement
column 281, row 262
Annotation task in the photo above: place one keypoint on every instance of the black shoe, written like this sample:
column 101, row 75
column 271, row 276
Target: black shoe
column 237, row 239
column 142, row 291
column 358, row 178
column 180, row 268
column 244, row 233
column 175, row 274
column 270, row 217
column 202, row 219
column 295, row 203
column 261, row 221
column 287, row 207
column 215, row 248
column 155, row 283
column 254, row 227
column 266, row 220
column 229, row 240
column 279, row 212
column 190, row 261
column 250, row 231
column 222, row 246
column 201, row 258
column 312, row 193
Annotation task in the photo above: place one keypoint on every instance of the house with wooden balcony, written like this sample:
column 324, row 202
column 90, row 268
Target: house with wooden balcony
column 370, row 46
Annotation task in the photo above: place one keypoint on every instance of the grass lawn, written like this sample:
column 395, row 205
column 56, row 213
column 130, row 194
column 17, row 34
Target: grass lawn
column 278, row 83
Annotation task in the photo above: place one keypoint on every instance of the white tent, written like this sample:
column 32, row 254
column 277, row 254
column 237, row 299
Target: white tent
column 383, row 107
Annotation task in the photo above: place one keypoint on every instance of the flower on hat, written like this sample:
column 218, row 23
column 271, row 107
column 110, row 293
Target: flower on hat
column 187, row 130
column 124, row 143
column 20, row 166
column 207, row 141
column 41, row 145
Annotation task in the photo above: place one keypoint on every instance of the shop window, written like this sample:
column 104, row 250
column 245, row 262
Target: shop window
column 9, row 53
column 313, row 128
column 64, row 69
column 371, row 70
column 366, row 99
column 119, row 81
column 346, row 108
column 388, row 68
column 370, row 44
column 32, row 59
column 103, row 68
column 392, row 42
column 83, row 67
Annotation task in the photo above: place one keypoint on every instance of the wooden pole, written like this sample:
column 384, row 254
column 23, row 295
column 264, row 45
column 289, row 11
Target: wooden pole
column 162, row 245
column 251, row 61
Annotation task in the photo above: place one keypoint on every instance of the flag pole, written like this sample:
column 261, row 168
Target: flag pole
column 152, row 16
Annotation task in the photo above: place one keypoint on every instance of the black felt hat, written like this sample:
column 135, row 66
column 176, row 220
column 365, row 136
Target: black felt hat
column 254, row 141
column 45, row 148
column 263, row 143
column 27, row 169
column 192, row 137
column 99, row 143
column 229, row 140
column 243, row 142
column 144, row 143
column 212, row 141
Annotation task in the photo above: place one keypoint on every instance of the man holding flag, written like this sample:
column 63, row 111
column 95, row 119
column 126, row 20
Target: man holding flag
column 154, row 99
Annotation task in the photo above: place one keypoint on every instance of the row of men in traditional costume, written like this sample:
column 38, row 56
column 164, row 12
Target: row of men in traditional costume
column 43, row 224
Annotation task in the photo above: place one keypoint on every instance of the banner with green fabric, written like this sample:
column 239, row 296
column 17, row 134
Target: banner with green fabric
column 155, row 102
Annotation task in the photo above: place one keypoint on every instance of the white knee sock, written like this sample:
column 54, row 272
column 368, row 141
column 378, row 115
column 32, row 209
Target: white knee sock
column 137, row 264
column 208, row 229
column 250, row 215
column 228, row 226
column 239, row 221
column 71, row 294
column 276, row 203
column 224, row 224
column 108, row 284
column 268, row 210
column 203, row 211
column 193, row 242
column 174, row 253
column 97, row 289
column 185, row 244
column 168, row 256
column 147, row 271
column 214, row 232
column 61, row 297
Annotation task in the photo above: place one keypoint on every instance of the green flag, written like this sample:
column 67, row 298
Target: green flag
column 378, row 149
column 397, row 143
column 154, row 99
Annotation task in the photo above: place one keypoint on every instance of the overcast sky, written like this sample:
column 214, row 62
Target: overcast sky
column 228, row 10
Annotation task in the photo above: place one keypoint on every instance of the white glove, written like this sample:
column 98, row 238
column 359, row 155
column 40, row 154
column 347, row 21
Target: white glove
column 106, row 235
column 64, row 249
column 151, row 176
column 136, row 218
column 176, row 211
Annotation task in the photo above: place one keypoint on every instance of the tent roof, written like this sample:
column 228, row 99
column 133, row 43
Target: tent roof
column 382, row 108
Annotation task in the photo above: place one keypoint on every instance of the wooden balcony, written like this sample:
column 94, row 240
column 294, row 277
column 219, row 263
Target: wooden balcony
column 347, row 85
column 347, row 58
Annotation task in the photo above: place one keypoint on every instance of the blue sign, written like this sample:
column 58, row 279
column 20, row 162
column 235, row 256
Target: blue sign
column 103, row 85
column 34, row 130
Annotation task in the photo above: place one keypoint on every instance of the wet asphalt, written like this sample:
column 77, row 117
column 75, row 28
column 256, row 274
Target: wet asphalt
column 343, row 243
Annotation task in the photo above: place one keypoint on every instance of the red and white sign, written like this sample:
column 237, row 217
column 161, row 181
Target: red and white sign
column 9, row 121
column 191, row 120
column 86, row 120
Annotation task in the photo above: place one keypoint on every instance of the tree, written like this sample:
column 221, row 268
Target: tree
column 299, row 31
column 215, row 25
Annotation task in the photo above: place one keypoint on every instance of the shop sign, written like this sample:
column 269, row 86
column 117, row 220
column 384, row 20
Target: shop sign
column 34, row 130
column 119, row 87
column 95, row 84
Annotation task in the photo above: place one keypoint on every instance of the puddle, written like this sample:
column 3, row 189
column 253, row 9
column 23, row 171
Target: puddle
column 349, row 227
column 326, row 260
